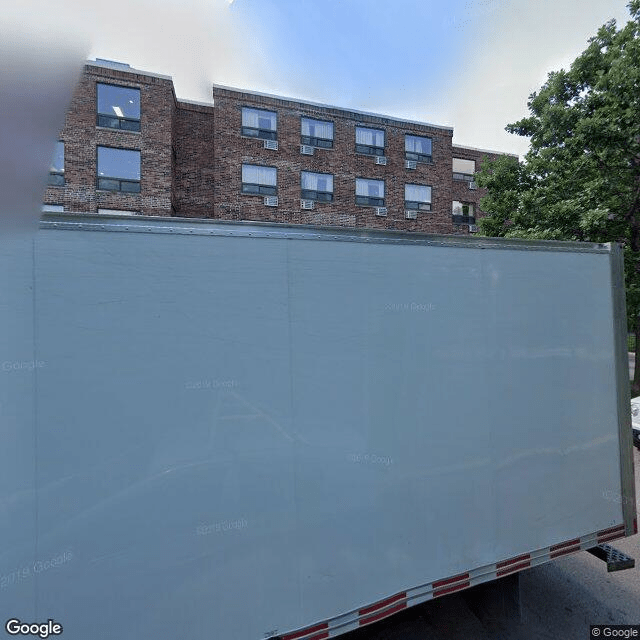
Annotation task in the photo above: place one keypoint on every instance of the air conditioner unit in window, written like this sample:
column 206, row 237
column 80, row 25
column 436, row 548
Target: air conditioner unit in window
column 473, row 185
column 271, row 201
column 381, row 160
column 473, row 228
column 306, row 204
column 381, row 211
column 410, row 214
column 271, row 144
column 410, row 164
column 306, row 149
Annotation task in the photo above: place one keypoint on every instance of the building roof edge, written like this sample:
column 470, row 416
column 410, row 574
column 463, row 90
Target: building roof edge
column 124, row 68
column 492, row 151
column 330, row 106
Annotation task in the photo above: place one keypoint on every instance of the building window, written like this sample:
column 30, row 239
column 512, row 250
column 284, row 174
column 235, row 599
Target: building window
column 52, row 208
column 257, row 123
column 118, row 107
column 370, row 141
column 370, row 192
column 119, row 170
column 417, row 196
column 417, row 148
column 463, row 169
column 462, row 213
column 316, row 186
column 316, row 133
column 258, row 180
column 56, row 170
column 118, row 212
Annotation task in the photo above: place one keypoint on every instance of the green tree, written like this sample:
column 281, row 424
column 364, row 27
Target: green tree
column 580, row 179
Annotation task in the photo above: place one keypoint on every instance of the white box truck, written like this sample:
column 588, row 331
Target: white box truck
column 241, row 431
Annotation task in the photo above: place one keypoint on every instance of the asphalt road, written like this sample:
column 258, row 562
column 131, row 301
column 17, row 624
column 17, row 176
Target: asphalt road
column 559, row 601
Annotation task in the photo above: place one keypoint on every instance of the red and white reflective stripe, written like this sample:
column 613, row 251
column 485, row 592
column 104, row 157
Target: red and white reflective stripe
column 564, row 548
column 449, row 585
column 387, row 607
column 514, row 564
column 382, row 609
column 611, row 534
column 318, row 632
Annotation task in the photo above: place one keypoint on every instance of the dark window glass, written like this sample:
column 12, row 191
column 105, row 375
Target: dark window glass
column 108, row 184
column 130, row 187
column 463, row 169
column 56, row 170
column 259, row 180
column 467, row 177
column 417, row 196
column 258, row 123
column 417, row 148
column 462, row 213
column 370, row 141
column 370, row 192
column 316, row 186
column 56, row 180
column 118, row 107
column 317, row 133
column 119, row 169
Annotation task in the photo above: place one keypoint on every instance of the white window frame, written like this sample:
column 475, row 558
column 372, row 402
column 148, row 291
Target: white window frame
column 410, row 152
column 309, row 136
column 463, row 169
column 253, row 121
column 311, row 179
column 368, row 141
column 364, row 195
column 259, row 180
column 411, row 201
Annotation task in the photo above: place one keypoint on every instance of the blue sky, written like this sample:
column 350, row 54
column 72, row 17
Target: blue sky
column 358, row 51
column 470, row 64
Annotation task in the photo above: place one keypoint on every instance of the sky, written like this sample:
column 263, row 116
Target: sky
column 469, row 64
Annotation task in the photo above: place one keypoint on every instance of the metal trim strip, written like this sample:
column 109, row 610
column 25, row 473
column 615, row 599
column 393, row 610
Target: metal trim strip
column 322, row 628
column 369, row 614
column 382, row 604
column 446, row 581
column 627, row 474
column 211, row 227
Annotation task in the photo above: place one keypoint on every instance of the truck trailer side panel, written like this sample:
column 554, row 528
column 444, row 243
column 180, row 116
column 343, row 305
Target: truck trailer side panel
column 243, row 430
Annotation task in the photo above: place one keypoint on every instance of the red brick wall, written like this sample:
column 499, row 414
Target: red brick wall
column 195, row 161
column 82, row 137
column 192, row 154
column 231, row 150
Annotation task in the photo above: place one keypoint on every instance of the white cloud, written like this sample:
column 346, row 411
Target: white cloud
column 198, row 42
column 523, row 42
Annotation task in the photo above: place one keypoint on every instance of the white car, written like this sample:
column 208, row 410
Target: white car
column 635, row 421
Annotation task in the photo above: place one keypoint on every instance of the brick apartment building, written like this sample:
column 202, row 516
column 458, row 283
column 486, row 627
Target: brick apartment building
column 130, row 146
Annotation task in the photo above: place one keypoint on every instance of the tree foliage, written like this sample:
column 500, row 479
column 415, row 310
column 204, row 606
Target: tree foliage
column 580, row 179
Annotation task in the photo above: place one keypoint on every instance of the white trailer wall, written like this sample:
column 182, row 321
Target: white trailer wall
column 240, row 429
